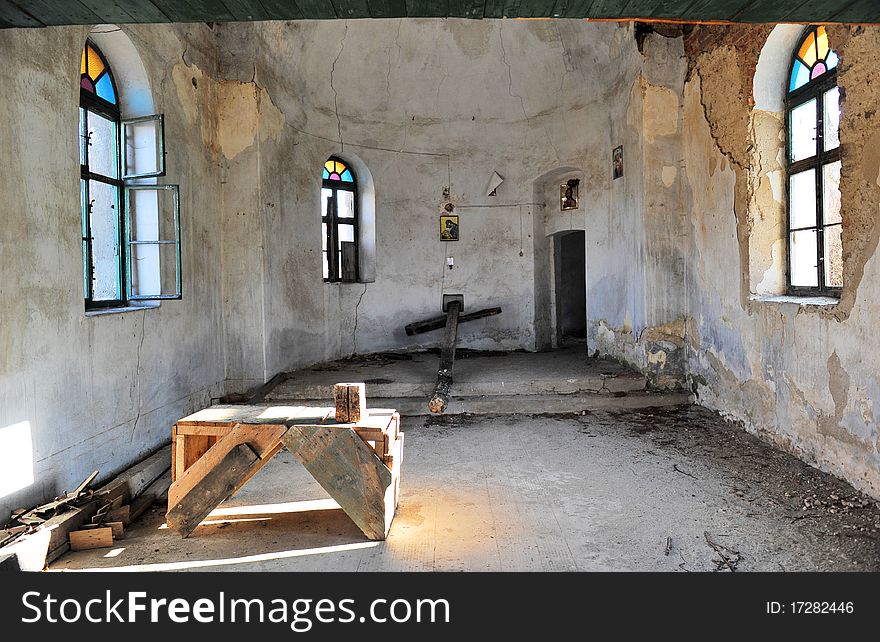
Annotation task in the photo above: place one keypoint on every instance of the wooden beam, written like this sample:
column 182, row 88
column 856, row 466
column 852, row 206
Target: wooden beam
column 261, row 438
column 438, row 401
column 211, row 489
column 92, row 538
column 436, row 323
column 349, row 471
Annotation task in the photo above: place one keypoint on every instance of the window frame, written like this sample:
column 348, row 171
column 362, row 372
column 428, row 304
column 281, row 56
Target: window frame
column 92, row 103
column 331, row 219
column 813, row 90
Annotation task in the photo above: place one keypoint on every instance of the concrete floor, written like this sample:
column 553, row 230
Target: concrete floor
column 660, row 489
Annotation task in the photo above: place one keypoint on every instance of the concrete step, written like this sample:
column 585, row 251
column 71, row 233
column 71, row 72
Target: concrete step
column 378, row 388
column 417, row 406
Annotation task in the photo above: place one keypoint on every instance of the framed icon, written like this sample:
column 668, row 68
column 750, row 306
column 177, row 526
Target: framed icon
column 449, row 227
column 617, row 162
column 568, row 194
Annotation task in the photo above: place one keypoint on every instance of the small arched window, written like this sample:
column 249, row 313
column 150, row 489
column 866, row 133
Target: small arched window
column 815, row 249
column 339, row 222
column 130, row 224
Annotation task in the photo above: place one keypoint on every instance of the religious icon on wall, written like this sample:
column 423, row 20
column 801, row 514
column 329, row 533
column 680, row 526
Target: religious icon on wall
column 568, row 195
column 617, row 162
column 449, row 227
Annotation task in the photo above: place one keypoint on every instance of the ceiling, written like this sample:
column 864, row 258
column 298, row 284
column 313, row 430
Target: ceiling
column 39, row 13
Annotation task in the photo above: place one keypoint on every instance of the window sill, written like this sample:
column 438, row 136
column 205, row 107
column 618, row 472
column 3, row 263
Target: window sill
column 128, row 308
column 803, row 301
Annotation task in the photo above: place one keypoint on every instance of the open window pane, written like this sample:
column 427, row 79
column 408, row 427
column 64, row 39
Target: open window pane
column 804, row 258
column 803, row 131
column 831, row 193
column 104, row 232
column 144, row 146
column 153, row 226
column 802, row 199
column 345, row 203
column 833, row 257
column 832, row 119
column 103, row 156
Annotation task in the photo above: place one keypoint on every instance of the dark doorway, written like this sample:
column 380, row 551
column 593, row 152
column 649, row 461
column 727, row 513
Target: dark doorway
column 571, row 288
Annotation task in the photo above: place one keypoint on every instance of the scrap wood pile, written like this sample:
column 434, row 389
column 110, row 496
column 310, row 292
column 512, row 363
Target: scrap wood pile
column 86, row 517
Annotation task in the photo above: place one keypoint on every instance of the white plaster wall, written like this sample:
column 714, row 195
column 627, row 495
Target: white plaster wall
column 425, row 104
column 94, row 392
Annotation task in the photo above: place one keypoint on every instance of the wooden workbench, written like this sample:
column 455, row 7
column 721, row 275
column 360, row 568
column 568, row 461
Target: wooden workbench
column 217, row 450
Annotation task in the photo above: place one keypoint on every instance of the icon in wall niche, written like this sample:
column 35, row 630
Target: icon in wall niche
column 617, row 162
column 449, row 227
column 568, row 194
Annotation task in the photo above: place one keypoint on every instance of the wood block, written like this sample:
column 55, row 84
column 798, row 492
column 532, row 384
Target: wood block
column 212, row 488
column 121, row 514
column 351, row 402
column 131, row 482
column 9, row 563
column 117, row 528
column 348, row 470
column 93, row 538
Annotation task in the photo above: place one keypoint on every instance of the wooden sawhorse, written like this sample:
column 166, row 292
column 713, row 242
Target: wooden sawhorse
column 217, row 450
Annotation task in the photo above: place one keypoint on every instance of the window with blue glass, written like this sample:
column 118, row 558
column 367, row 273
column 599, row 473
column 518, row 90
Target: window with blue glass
column 815, row 247
column 130, row 224
column 339, row 222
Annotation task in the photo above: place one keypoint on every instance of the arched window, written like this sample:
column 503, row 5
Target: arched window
column 130, row 225
column 339, row 222
column 815, row 249
column 101, row 185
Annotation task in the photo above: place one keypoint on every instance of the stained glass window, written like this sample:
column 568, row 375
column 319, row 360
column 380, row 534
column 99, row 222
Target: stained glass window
column 95, row 76
column 813, row 59
column 815, row 249
column 339, row 218
column 336, row 170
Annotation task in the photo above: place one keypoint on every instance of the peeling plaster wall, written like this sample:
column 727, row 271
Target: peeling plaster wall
column 804, row 377
column 97, row 392
column 425, row 104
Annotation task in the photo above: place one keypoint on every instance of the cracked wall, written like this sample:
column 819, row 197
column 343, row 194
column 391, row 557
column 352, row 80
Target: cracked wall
column 98, row 392
column 801, row 376
column 425, row 104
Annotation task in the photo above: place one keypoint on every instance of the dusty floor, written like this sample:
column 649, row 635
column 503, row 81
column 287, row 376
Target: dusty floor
column 664, row 489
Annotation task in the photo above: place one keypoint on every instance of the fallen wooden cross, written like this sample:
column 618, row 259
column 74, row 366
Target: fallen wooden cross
column 440, row 396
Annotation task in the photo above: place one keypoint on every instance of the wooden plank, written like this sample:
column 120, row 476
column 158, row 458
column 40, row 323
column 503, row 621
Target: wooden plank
column 351, row 9
column 227, row 415
column 536, row 8
column 316, row 9
column 132, row 481
column 144, row 11
column 179, row 454
column 150, row 495
column 714, row 9
column 573, row 8
column 858, row 11
column 12, row 16
column 266, row 456
column 387, row 8
column 437, row 403
column 607, row 8
column 118, row 529
column 261, row 438
column 427, row 8
column 282, row 9
column 121, row 514
column 108, row 10
column 92, row 538
column 348, row 470
column 48, row 12
column 501, row 9
column 472, row 9
column 437, row 323
column 246, row 10
column 212, row 489
column 670, row 9
column 759, row 11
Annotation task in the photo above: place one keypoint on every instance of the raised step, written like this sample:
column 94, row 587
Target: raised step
column 530, row 404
